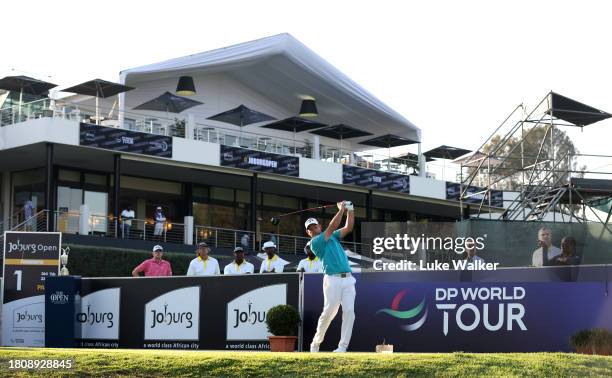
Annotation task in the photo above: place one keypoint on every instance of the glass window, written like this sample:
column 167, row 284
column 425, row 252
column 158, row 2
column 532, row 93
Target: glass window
column 28, row 186
column 69, row 176
column 222, row 194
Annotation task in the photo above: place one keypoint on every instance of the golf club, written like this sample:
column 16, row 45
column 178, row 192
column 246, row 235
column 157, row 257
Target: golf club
column 276, row 220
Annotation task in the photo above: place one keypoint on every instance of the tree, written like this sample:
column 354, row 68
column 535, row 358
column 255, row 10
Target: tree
column 534, row 158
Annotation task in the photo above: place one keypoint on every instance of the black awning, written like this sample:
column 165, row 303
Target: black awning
column 98, row 88
column 26, row 84
column 575, row 112
column 388, row 141
column 294, row 124
column 446, row 152
column 241, row 116
column 340, row 131
column 168, row 102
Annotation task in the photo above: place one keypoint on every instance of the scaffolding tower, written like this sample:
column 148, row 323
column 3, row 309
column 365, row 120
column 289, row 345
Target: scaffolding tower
column 548, row 185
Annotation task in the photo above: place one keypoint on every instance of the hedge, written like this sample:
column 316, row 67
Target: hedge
column 87, row 261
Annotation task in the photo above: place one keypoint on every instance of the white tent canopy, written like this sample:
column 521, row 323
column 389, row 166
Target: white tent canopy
column 281, row 70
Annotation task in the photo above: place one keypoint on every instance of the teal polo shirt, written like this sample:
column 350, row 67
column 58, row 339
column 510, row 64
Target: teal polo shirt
column 331, row 253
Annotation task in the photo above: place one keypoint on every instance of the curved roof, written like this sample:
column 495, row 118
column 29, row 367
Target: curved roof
column 283, row 69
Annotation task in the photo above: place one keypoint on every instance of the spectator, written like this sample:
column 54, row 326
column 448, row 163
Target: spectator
column 203, row 265
column 544, row 255
column 160, row 222
column 244, row 242
column 155, row 266
column 239, row 265
column 272, row 264
column 568, row 252
column 310, row 264
column 471, row 252
column 28, row 212
column 126, row 221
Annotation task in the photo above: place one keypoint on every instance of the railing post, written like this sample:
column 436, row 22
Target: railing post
column 295, row 246
column 216, row 234
column 144, row 230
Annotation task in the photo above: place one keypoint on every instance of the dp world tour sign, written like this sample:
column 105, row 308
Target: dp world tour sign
column 29, row 259
column 259, row 161
column 373, row 179
column 123, row 140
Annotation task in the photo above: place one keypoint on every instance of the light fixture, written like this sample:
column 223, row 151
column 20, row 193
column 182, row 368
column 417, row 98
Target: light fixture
column 185, row 86
column 308, row 108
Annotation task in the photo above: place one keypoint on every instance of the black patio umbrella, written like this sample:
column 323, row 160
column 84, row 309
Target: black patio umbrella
column 99, row 89
column 340, row 131
column 388, row 141
column 446, row 152
column 295, row 124
column 25, row 84
column 241, row 116
column 169, row 103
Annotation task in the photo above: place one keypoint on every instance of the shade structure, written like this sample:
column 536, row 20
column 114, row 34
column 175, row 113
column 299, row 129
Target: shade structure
column 575, row 112
column 446, row 152
column 25, row 84
column 169, row 103
column 295, row 124
column 340, row 131
column 388, row 141
column 475, row 159
column 241, row 116
column 98, row 88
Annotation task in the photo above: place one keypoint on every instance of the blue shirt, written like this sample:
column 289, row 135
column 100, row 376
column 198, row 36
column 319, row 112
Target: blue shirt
column 331, row 253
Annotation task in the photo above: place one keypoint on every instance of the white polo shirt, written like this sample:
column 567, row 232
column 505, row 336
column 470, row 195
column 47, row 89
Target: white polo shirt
column 233, row 268
column 275, row 265
column 537, row 259
column 310, row 266
column 199, row 267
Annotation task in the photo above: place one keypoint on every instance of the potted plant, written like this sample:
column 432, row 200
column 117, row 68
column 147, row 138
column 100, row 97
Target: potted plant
column 282, row 322
column 592, row 341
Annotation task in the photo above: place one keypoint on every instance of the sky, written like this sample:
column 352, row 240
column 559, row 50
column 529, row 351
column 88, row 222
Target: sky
column 453, row 68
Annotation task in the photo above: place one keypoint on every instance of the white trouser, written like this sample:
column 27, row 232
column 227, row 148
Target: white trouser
column 337, row 291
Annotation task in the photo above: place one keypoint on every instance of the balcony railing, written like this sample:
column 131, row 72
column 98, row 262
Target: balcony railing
column 175, row 125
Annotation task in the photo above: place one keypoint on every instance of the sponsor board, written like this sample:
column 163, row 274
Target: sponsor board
column 373, row 179
column 173, row 315
column 98, row 318
column 246, row 314
column 259, row 161
column 434, row 312
column 473, row 195
column 29, row 259
column 123, row 140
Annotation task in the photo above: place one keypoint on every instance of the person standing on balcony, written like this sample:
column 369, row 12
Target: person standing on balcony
column 154, row 267
column 338, row 283
column 203, row 265
column 126, row 221
column 310, row 264
column 244, row 242
column 272, row 263
column 239, row 265
column 160, row 223
column 28, row 212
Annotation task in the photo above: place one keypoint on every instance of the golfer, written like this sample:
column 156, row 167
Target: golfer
column 338, row 283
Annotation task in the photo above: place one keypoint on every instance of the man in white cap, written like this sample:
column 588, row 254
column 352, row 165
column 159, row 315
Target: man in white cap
column 160, row 222
column 239, row 265
column 203, row 265
column 272, row 263
column 311, row 264
column 338, row 283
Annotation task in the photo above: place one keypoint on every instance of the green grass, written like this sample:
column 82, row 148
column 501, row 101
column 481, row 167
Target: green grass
column 156, row 363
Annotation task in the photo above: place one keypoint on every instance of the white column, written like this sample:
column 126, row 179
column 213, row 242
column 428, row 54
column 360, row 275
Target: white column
column 316, row 141
column 84, row 219
column 121, row 101
column 422, row 163
column 190, row 126
column 188, row 230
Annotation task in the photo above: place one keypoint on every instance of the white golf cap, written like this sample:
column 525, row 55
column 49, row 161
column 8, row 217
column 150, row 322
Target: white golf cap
column 269, row 244
column 310, row 221
column 159, row 208
column 158, row 248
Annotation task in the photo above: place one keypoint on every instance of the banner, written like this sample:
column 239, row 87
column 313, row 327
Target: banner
column 180, row 312
column 415, row 314
column 123, row 140
column 373, row 179
column 29, row 259
column 259, row 161
column 453, row 192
